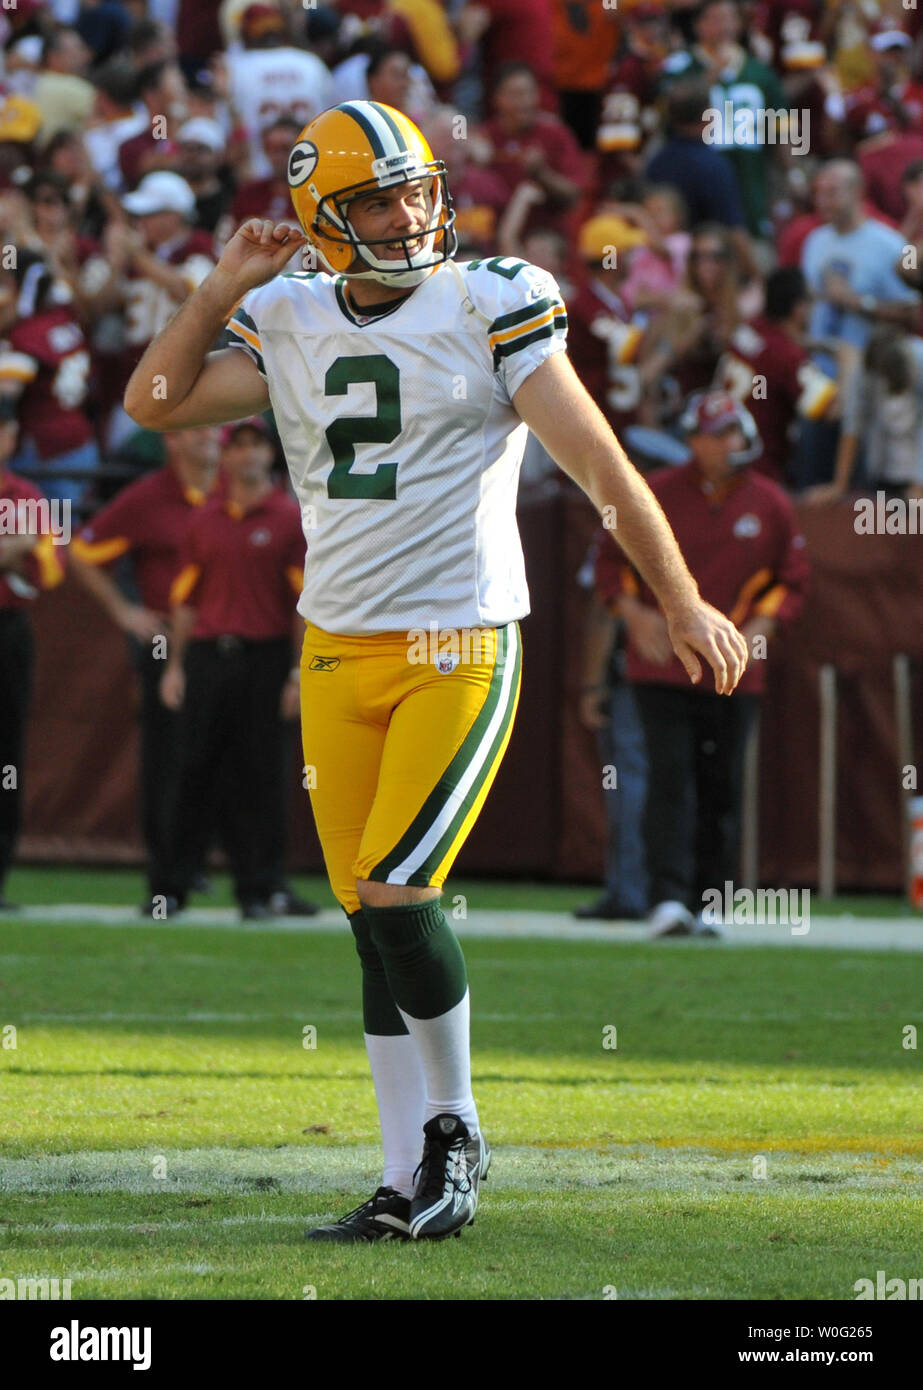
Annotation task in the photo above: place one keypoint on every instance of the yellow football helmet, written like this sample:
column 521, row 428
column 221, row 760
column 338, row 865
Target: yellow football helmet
column 351, row 149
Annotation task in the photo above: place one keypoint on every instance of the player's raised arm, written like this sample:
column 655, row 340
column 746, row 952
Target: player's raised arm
column 557, row 408
column 178, row 383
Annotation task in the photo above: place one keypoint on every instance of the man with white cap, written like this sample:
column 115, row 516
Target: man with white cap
column 202, row 144
column 891, row 99
column 161, row 258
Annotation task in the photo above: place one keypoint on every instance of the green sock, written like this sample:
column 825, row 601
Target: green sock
column 422, row 959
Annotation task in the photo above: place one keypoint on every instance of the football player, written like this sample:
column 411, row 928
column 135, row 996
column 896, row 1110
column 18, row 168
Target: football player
column 403, row 385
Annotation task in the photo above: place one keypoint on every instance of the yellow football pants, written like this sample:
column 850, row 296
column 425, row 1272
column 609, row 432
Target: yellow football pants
column 402, row 740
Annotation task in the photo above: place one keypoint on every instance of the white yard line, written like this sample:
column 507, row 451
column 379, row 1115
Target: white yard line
column 841, row 932
column 312, row 1171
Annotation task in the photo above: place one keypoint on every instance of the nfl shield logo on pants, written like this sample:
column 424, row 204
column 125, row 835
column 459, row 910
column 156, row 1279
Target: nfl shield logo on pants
column 446, row 662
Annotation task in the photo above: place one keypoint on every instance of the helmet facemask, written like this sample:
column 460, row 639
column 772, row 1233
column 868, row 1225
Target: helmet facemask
column 332, row 224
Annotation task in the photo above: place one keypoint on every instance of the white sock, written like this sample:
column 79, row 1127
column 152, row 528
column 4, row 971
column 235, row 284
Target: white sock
column 443, row 1044
column 400, row 1090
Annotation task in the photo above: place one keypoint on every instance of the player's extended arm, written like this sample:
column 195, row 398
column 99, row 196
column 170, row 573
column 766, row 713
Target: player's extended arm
column 557, row 408
column 178, row 383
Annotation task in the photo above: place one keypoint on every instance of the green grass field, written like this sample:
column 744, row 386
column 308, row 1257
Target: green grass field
column 165, row 1133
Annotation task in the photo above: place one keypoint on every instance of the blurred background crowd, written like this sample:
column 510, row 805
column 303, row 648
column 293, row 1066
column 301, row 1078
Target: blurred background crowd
column 580, row 135
column 729, row 193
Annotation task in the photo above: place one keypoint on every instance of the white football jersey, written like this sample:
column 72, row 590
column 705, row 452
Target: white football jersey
column 401, row 439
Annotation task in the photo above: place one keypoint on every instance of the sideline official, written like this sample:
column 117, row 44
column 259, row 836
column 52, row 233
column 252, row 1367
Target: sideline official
column 230, row 668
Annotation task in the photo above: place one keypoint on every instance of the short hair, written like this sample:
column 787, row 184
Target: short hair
column 53, row 39
column 673, row 195
column 707, row 5
column 379, row 55
column 785, row 287
column 514, row 68
column 117, row 79
column 48, row 178
column 144, row 32
column 284, row 121
column 687, row 102
column 151, row 76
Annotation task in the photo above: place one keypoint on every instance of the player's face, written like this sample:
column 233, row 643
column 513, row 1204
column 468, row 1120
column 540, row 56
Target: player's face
column 402, row 211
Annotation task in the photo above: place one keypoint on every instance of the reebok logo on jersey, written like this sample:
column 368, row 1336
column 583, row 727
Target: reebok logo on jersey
column 323, row 663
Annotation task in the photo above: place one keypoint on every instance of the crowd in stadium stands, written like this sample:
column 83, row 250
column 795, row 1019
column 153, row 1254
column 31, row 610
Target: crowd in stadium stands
column 730, row 194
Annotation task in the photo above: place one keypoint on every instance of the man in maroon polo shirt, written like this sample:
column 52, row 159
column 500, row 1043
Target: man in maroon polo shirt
column 739, row 537
column 230, row 669
column 528, row 143
column 30, row 561
column 147, row 523
column 767, row 368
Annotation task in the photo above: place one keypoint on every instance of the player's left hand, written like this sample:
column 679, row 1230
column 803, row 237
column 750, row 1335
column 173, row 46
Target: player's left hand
column 701, row 628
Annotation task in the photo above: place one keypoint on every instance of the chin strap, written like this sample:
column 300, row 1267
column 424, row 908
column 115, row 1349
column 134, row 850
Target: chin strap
column 468, row 303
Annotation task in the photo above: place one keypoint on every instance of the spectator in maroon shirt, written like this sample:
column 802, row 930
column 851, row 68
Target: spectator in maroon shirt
column 230, row 670
column 892, row 100
column 767, row 368
column 739, row 537
column 478, row 194
column 45, row 364
column 269, row 197
column 528, row 143
column 145, row 526
column 162, row 89
column 29, row 563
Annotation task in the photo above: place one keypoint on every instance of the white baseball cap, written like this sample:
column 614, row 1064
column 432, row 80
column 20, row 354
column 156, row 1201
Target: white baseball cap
column 202, row 130
column 160, row 191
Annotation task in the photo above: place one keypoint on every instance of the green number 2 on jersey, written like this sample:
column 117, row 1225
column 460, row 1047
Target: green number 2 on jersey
column 349, row 430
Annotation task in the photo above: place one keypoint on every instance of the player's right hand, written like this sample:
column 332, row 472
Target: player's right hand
column 173, row 687
column 258, row 250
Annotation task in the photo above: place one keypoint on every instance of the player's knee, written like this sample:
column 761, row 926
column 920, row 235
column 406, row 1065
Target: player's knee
column 373, row 894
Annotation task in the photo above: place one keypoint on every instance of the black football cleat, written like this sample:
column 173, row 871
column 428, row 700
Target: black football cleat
column 446, row 1196
column 386, row 1216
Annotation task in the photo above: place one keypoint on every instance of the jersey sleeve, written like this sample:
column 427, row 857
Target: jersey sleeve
column 243, row 331
column 527, row 316
column 114, row 531
column 185, row 585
